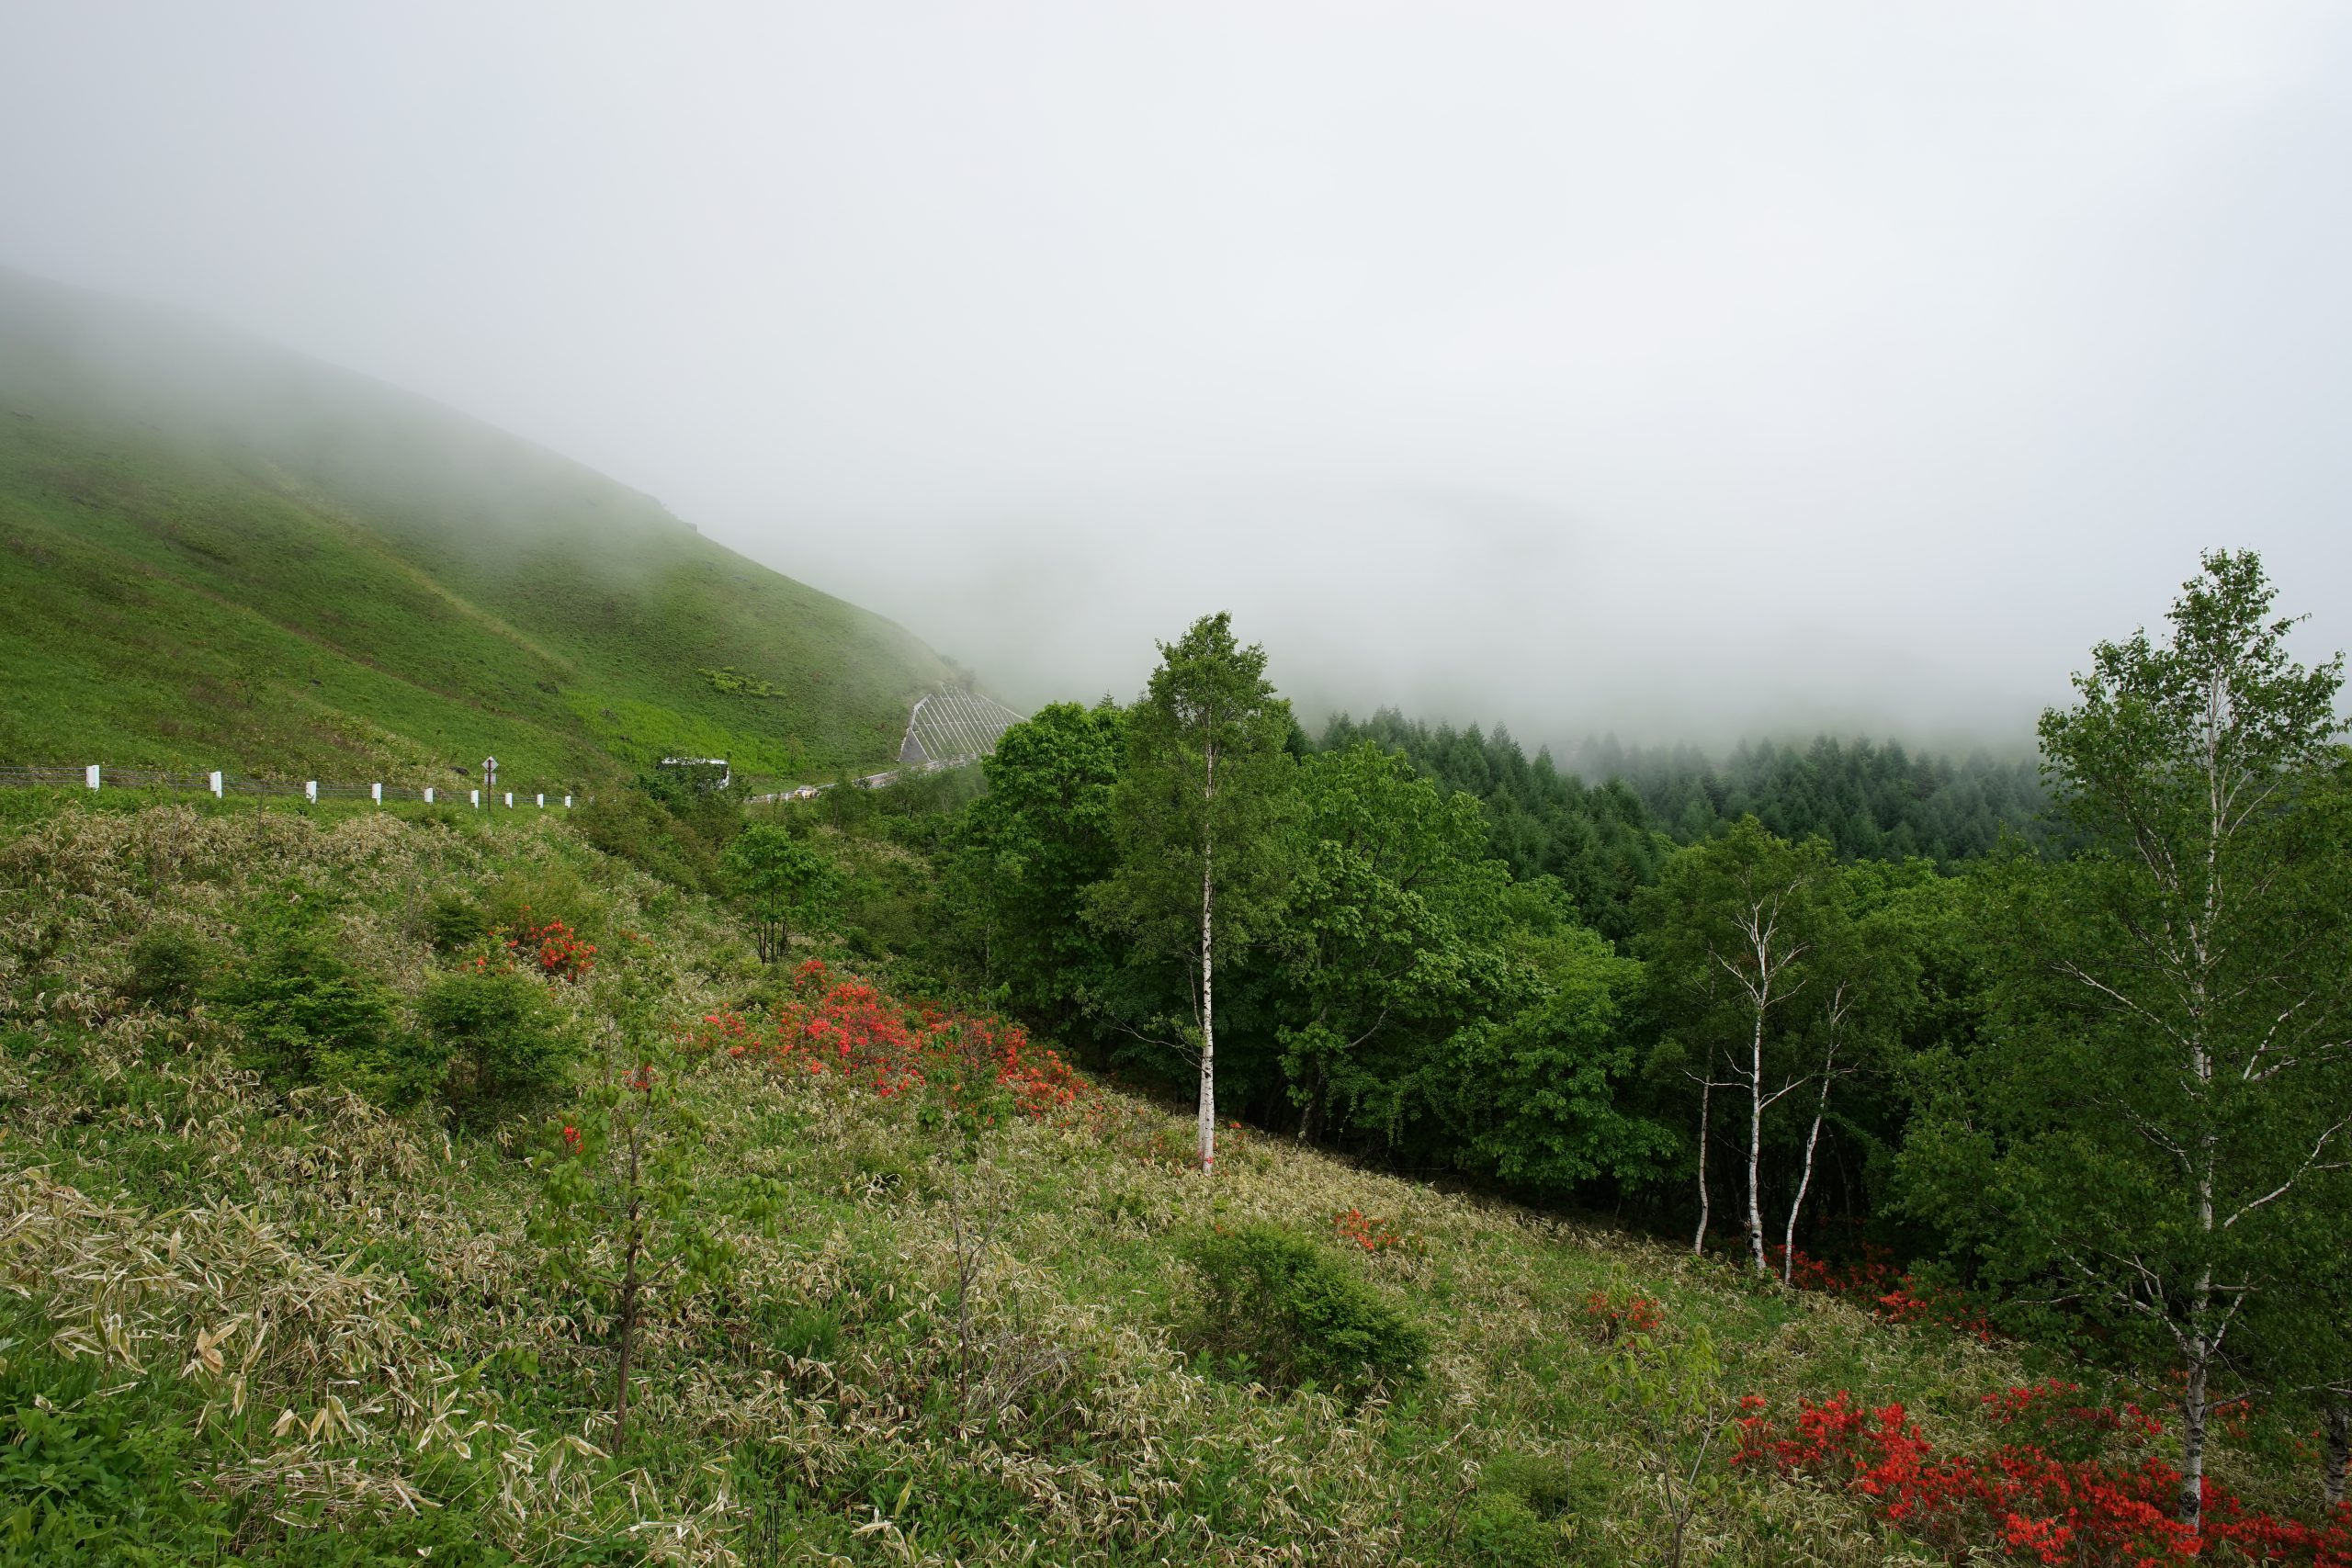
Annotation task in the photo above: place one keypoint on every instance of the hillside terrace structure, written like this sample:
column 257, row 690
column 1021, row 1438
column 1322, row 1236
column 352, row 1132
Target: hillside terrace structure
column 949, row 727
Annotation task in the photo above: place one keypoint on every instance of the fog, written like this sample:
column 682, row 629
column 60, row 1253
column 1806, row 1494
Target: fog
column 1684, row 372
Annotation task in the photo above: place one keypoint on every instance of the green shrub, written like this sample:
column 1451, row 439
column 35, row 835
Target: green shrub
column 502, row 1041
column 167, row 967
column 664, row 829
column 84, row 1479
column 781, row 883
column 1499, row 1530
column 456, row 923
column 1549, row 1487
column 1533, row 1512
column 1292, row 1314
column 532, row 898
column 307, row 1017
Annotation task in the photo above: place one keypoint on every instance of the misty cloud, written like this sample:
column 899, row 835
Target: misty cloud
column 1684, row 371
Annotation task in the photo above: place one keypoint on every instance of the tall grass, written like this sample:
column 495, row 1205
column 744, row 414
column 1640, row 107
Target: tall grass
column 253, row 1313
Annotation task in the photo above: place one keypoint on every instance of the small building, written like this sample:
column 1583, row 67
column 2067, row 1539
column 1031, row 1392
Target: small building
column 699, row 772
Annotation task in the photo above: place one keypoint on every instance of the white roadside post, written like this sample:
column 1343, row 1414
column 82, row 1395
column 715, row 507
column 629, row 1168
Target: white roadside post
column 543, row 802
column 567, row 803
column 428, row 795
column 377, row 790
column 510, row 800
column 477, row 800
column 310, row 791
column 90, row 775
column 216, row 782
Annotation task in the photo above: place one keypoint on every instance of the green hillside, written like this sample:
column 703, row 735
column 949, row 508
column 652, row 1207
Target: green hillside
column 222, row 554
column 273, row 1322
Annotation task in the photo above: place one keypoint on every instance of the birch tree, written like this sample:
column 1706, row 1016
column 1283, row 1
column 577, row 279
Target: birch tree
column 1838, row 1021
column 1867, row 936
column 2163, row 1074
column 1199, row 816
column 1732, row 937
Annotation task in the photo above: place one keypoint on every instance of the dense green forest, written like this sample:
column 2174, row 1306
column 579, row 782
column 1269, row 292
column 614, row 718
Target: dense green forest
column 1867, row 801
column 1605, row 839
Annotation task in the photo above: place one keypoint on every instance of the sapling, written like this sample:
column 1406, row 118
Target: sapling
column 781, row 883
column 620, row 1214
column 1201, row 812
column 1671, row 1392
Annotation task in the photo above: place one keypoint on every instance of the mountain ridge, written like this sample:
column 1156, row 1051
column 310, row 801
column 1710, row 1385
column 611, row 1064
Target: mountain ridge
column 222, row 553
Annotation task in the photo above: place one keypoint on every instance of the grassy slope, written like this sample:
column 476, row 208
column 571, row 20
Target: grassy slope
column 809, row 1415
column 215, row 553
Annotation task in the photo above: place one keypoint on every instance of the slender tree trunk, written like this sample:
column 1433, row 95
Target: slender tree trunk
column 1208, row 1014
column 1756, row 1145
column 2200, row 1347
column 2339, row 1449
column 1805, row 1178
column 1707, row 1108
column 2196, row 1404
column 1208, row 966
column 627, row 1324
column 2195, row 1395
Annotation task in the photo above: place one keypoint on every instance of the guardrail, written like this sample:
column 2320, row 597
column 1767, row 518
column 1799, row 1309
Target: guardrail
column 221, row 786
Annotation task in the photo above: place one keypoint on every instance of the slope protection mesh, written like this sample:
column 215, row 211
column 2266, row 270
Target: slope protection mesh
column 951, row 726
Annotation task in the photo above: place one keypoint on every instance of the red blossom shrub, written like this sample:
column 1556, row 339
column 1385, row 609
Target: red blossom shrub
column 718, row 1032
column 552, row 946
column 2050, row 1492
column 846, row 1027
column 1367, row 1230
column 2052, row 1416
column 1611, row 1317
column 1874, row 1280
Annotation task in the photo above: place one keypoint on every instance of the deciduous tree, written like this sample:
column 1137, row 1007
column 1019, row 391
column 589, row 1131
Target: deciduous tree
column 1199, row 813
column 620, row 1214
column 782, row 885
column 1034, row 845
column 2165, row 1069
column 1734, row 938
column 1393, row 918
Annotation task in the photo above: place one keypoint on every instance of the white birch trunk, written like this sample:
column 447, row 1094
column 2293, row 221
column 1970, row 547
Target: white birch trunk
column 2196, row 1403
column 1755, row 1142
column 1208, row 965
column 1759, row 931
column 1805, row 1178
column 1812, row 1136
column 1706, row 1107
column 2199, row 1345
column 1208, row 1014
column 2339, row 1449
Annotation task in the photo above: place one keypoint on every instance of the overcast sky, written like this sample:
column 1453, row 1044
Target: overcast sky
column 1684, row 371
